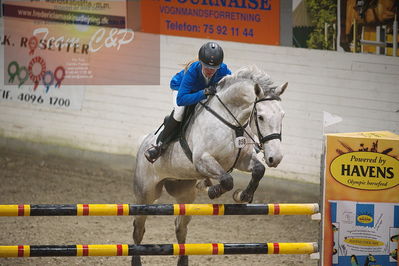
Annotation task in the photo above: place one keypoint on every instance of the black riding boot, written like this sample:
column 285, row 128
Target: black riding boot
column 153, row 153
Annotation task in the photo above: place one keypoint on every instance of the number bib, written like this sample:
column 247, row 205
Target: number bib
column 240, row 142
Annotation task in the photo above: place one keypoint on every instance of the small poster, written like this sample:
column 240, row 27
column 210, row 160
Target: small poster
column 365, row 233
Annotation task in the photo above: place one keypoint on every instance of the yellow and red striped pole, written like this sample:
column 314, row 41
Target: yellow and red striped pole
column 163, row 249
column 157, row 209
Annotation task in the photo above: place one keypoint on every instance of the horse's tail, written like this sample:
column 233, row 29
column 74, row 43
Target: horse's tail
column 143, row 170
column 139, row 141
column 137, row 148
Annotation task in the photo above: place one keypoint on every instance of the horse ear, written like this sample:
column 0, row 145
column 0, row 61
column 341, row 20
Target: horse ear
column 280, row 89
column 258, row 91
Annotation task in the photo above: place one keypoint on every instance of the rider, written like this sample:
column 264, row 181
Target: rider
column 191, row 85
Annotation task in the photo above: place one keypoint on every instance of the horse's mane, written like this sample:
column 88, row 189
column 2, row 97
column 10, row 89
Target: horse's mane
column 249, row 73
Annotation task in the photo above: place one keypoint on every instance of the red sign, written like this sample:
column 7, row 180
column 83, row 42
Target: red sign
column 250, row 21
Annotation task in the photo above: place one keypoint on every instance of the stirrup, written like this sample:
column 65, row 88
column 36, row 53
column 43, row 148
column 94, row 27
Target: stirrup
column 153, row 153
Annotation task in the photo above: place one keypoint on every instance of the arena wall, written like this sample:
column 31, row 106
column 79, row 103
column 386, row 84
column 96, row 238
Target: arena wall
column 360, row 88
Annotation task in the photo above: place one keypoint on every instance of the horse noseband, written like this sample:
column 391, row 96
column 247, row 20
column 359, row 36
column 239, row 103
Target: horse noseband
column 270, row 137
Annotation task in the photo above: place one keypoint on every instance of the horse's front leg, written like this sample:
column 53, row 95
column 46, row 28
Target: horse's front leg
column 209, row 167
column 258, row 170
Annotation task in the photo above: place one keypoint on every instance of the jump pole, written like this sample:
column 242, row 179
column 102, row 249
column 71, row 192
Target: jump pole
column 162, row 249
column 157, row 209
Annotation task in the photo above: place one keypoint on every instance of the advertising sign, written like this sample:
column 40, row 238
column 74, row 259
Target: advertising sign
column 365, row 233
column 250, row 21
column 361, row 198
column 52, row 47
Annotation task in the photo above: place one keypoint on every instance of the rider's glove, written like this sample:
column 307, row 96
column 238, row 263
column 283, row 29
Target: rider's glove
column 211, row 90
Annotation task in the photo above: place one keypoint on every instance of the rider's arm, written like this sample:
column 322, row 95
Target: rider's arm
column 222, row 72
column 225, row 70
column 176, row 80
column 186, row 96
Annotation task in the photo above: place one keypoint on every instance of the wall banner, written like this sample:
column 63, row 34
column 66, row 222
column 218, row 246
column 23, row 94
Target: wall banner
column 250, row 21
column 53, row 47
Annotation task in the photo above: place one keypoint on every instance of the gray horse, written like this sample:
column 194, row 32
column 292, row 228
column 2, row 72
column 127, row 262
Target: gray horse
column 247, row 102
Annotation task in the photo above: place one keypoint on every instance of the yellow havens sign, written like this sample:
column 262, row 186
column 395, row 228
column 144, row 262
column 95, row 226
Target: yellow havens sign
column 360, row 167
column 366, row 170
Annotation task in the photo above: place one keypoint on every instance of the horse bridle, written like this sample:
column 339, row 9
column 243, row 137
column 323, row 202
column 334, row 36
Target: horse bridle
column 240, row 129
column 263, row 139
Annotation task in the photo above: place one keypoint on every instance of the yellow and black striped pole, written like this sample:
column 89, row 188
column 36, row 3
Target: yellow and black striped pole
column 157, row 209
column 163, row 249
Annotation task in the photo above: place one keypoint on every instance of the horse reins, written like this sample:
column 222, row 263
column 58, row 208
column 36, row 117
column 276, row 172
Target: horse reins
column 239, row 130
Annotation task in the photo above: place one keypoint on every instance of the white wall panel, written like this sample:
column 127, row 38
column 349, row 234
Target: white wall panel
column 362, row 89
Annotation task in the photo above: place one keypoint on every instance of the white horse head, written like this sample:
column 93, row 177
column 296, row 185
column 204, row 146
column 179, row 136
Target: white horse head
column 257, row 88
column 267, row 123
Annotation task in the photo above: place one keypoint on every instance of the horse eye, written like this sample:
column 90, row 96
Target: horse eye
column 260, row 118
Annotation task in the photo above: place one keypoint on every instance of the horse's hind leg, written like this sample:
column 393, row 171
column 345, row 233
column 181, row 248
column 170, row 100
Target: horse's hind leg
column 183, row 191
column 138, row 234
column 147, row 197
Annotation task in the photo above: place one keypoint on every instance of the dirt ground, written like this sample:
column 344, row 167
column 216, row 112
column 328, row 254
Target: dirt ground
column 30, row 178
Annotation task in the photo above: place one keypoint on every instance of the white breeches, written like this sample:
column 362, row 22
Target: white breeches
column 179, row 110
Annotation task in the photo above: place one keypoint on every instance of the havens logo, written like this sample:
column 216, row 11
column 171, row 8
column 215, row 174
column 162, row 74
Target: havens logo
column 365, row 219
column 366, row 170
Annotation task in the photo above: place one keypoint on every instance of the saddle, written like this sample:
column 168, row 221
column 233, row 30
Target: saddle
column 188, row 115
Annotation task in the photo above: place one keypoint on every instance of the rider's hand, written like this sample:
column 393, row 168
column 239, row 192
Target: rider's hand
column 211, row 90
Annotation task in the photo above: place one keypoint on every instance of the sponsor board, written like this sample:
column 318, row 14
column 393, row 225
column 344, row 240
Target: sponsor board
column 54, row 49
column 361, row 169
column 250, row 21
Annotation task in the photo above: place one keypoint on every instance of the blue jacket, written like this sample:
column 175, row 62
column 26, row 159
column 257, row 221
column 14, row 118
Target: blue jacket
column 191, row 83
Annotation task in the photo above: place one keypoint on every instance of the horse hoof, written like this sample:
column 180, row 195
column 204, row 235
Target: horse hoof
column 247, row 198
column 237, row 195
column 136, row 261
column 240, row 196
column 183, row 261
column 215, row 191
